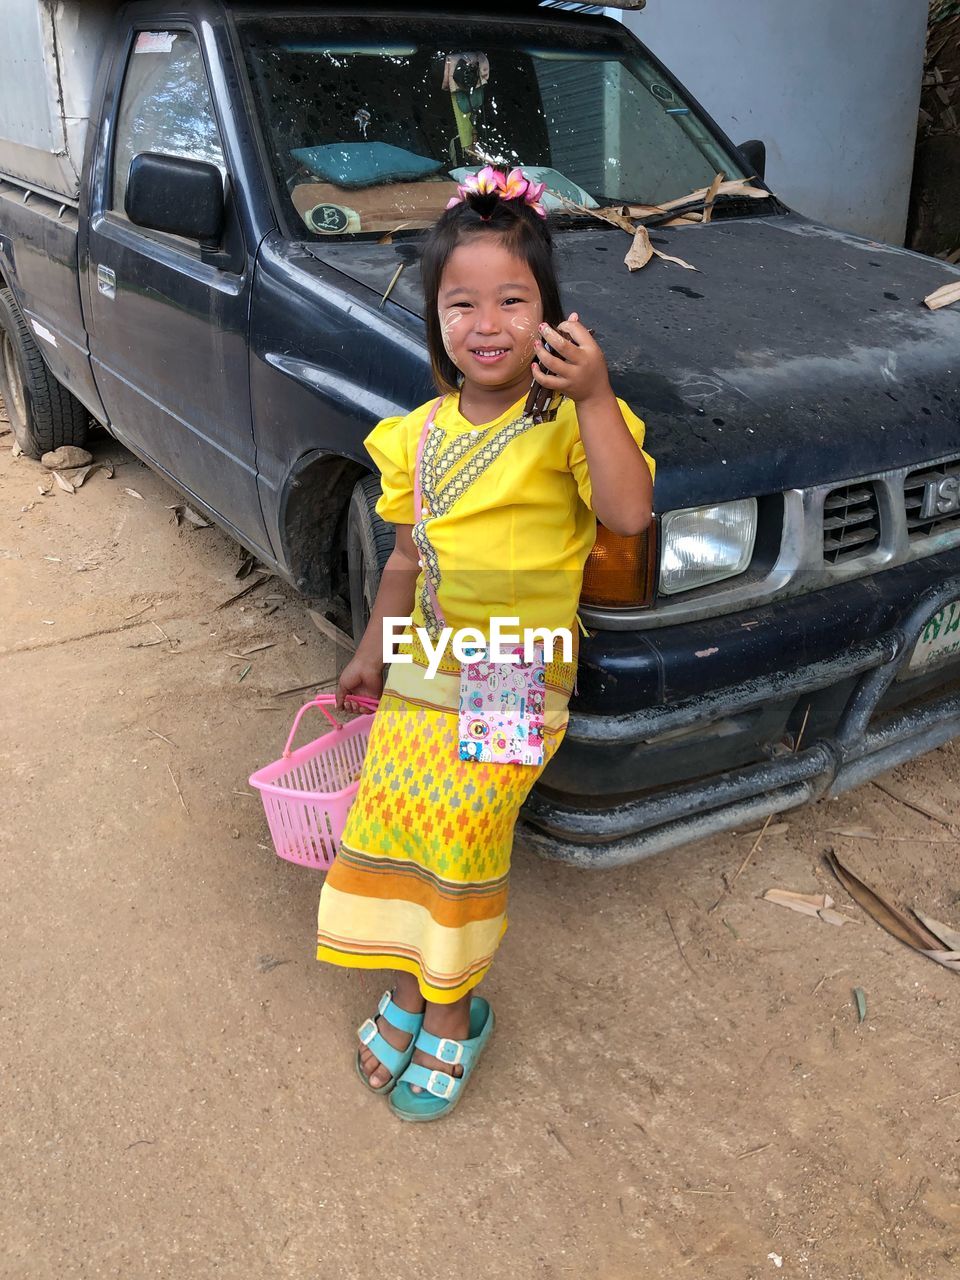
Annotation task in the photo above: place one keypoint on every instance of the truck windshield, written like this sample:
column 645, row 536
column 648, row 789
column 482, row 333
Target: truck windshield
column 370, row 123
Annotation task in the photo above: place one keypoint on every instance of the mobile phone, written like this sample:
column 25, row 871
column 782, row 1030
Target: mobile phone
column 547, row 347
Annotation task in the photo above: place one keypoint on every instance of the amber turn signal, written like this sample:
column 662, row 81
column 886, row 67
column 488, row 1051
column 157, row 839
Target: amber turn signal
column 621, row 572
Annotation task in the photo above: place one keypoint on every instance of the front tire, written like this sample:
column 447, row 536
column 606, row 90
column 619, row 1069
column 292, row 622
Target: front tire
column 369, row 543
column 43, row 415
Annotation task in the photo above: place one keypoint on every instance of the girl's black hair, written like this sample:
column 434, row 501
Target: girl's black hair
column 523, row 233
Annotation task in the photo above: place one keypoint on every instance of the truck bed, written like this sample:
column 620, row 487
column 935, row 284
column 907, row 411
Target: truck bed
column 48, row 64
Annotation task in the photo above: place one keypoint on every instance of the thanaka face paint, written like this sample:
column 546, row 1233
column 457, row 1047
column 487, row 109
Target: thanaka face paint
column 449, row 320
column 526, row 328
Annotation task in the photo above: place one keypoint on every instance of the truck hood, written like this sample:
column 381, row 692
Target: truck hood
column 794, row 355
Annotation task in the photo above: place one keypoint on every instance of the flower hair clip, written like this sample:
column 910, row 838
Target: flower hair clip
column 514, row 185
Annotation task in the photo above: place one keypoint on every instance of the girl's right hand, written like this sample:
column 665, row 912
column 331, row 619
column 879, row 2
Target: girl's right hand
column 361, row 677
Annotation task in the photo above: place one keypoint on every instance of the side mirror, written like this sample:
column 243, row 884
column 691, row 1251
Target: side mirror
column 754, row 153
column 181, row 197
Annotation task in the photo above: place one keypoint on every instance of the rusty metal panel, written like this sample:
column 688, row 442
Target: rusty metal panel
column 48, row 63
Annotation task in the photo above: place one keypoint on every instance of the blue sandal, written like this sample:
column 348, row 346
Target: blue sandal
column 442, row 1092
column 396, row 1061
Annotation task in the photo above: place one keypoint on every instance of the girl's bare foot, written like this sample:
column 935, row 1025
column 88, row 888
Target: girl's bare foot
column 407, row 996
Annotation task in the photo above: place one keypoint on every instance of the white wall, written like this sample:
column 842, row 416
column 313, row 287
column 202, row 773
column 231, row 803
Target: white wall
column 831, row 86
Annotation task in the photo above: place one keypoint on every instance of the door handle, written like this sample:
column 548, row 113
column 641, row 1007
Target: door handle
column 107, row 281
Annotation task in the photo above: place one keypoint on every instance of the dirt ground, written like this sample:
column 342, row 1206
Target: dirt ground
column 672, row 1092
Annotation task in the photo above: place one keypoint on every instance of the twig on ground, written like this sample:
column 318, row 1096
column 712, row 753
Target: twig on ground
column 146, row 607
column 171, row 644
column 160, row 735
column 685, row 1191
column 683, row 954
column 264, row 577
column 806, row 717
column 928, row 811
column 739, row 871
column 303, row 688
column 557, row 1139
column 179, row 792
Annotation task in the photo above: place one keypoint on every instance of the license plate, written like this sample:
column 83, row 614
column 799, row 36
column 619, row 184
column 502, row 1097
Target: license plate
column 939, row 640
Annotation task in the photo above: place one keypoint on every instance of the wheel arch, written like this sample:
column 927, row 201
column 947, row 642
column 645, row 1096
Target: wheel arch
column 312, row 520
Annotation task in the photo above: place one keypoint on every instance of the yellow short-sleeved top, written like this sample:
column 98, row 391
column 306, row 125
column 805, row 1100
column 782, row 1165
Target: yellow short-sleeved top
column 520, row 524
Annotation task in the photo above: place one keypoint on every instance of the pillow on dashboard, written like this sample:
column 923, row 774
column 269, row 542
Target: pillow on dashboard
column 364, row 164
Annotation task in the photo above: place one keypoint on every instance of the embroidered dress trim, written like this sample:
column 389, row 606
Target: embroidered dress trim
column 439, row 499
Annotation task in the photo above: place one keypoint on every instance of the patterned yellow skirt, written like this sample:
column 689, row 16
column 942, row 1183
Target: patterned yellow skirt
column 420, row 882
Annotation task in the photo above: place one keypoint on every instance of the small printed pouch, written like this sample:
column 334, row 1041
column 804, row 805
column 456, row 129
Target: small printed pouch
column 501, row 709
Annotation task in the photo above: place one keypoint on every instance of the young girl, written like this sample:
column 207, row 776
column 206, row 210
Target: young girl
column 495, row 512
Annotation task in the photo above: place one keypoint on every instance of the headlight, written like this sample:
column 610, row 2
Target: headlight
column 700, row 545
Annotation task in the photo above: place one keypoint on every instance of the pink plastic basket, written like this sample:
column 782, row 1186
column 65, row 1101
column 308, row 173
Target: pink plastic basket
column 307, row 792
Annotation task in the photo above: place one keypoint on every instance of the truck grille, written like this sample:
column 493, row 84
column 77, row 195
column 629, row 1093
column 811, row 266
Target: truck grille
column 851, row 522
column 931, row 505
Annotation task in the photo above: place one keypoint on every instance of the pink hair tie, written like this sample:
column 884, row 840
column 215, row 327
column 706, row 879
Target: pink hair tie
column 514, row 185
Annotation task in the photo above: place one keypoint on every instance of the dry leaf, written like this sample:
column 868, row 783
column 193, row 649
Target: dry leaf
column 45, row 489
column 808, row 904
column 949, row 937
column 617, row 214
column 943, row 296
column 133, row 494
column 891, row 918
column 777, row 829
column 65, row 485
column 643, row 210
column 182, row 511
column 246, row 566
column 829, row 916
column 257, row 648
column 82, row 474
column 641, row 251
column 854, row 833
column 387, row 237
column 614, row 216
column 687, row 266
column 711, row 197
column 735, row 187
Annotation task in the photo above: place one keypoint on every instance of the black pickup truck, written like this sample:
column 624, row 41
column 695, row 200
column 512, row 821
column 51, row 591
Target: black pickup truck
column 227, row 281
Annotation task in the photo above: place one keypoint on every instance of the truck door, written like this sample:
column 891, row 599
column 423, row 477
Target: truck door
column 168, row 331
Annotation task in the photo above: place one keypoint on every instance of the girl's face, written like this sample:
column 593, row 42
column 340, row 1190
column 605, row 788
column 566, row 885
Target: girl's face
column 490, row 307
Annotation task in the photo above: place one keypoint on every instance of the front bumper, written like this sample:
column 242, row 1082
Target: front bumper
column 637, row 782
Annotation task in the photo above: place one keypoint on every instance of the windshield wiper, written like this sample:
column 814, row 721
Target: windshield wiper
column 698, row 205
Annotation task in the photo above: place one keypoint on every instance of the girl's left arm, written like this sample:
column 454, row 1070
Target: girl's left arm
column 619, row 475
